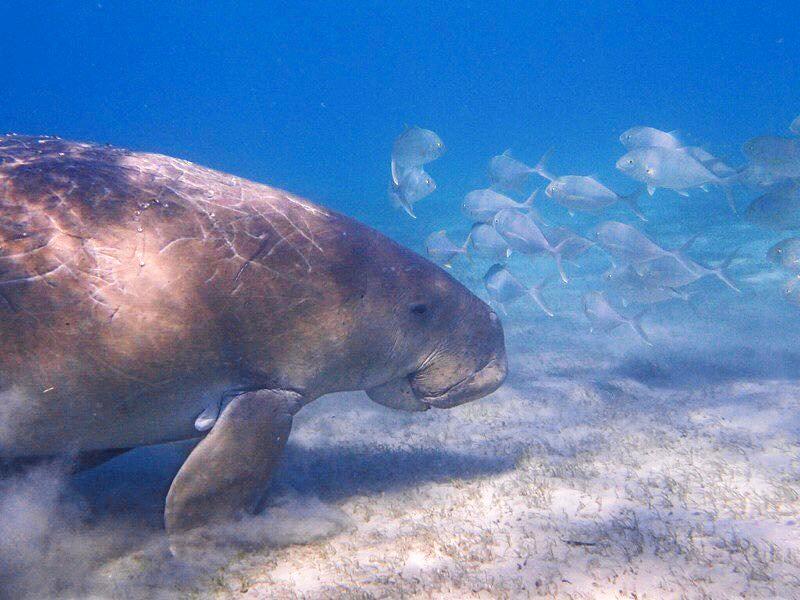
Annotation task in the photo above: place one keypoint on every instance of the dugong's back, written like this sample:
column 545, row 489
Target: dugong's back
column 114, row 269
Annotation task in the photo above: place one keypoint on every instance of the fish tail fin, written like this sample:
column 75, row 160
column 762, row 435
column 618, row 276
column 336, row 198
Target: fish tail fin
column 720, row 271
column 529, row 202
column 679, row 294
column 400, row 202
column 630, row 200
column 537, row 217
column 727, row 184
column 679, row 254
column 687, row 245
column 541, row 169
column 465, row 248
column 535, row 293
column 636, row 324
column 557, row 253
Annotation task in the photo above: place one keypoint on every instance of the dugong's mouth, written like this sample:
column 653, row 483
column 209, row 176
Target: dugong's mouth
column 404, row 393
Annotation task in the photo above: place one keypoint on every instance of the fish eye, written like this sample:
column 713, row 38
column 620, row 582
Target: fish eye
column 427, row 182
column 419, row 308
column 630, row 161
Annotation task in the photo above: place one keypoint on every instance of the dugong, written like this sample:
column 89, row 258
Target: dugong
column 145, row 299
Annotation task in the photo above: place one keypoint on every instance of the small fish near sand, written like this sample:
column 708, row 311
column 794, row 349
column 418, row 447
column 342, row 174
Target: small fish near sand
column 627, row 245
column 442, row 250
column 485, row 242
column 786, row 254
column 413, row 148
column 480, row 206
column 415, row 184
column 581, row 193
column 778, row 208
column 577, row 243
column 632, row 288
column 508, row 173
column 504, row 288
column 679, row 271
column 604, row 317
column 791, row 291
column 524, row 235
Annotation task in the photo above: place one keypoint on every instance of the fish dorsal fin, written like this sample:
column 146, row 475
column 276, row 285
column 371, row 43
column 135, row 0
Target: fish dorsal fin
column 678, row 136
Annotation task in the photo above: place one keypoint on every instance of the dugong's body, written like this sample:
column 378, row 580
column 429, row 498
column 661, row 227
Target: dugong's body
column 139, row 292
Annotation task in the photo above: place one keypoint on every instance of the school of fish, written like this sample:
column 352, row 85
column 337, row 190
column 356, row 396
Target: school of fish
column 643, row 272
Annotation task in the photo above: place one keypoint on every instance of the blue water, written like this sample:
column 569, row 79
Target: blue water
column 310, row 96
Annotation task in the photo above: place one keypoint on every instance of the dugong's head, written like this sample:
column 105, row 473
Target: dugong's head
column 432, row 343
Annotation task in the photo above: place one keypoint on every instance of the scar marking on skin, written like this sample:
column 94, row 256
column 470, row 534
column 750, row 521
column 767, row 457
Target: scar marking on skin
column 176, row 241
column 32, row 278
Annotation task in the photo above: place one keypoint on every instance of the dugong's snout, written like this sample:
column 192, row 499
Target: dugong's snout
column 481, row 383
column 463, row 370
column 403, row 393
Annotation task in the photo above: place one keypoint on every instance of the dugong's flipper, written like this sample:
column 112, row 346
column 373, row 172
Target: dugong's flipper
column 227, row 472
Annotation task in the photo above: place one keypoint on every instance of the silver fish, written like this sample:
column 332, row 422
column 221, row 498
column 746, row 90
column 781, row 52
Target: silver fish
column 778, row 209
column 672, row 272
column 676, row 169
column 508, row 173
column 633, row 288
column 711, row 162
column 524, row 235
column 648, row 137
column 786, row 254
column 604, row 317
column 441, row 249
column 415, row 184
column 414, row 148
column 795, row 126
column 480, row 206
column 503, row 288
column 758, row 178
column 576, row 245
column 627, row 245
column 487, row 243
column 791, row 291
column 541, row 167
column 778, row 155
column 581, row 193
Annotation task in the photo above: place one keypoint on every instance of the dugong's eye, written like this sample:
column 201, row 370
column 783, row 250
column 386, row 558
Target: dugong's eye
column 419, row 309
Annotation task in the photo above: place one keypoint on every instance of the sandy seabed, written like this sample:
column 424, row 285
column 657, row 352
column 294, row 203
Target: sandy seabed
column 603, row 475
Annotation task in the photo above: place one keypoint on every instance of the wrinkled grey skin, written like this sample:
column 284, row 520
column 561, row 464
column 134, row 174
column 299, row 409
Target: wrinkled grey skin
column 138, row 291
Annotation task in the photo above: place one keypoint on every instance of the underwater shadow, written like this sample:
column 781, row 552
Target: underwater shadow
column 681, row 370
column 337, row 473
column 133, row 487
